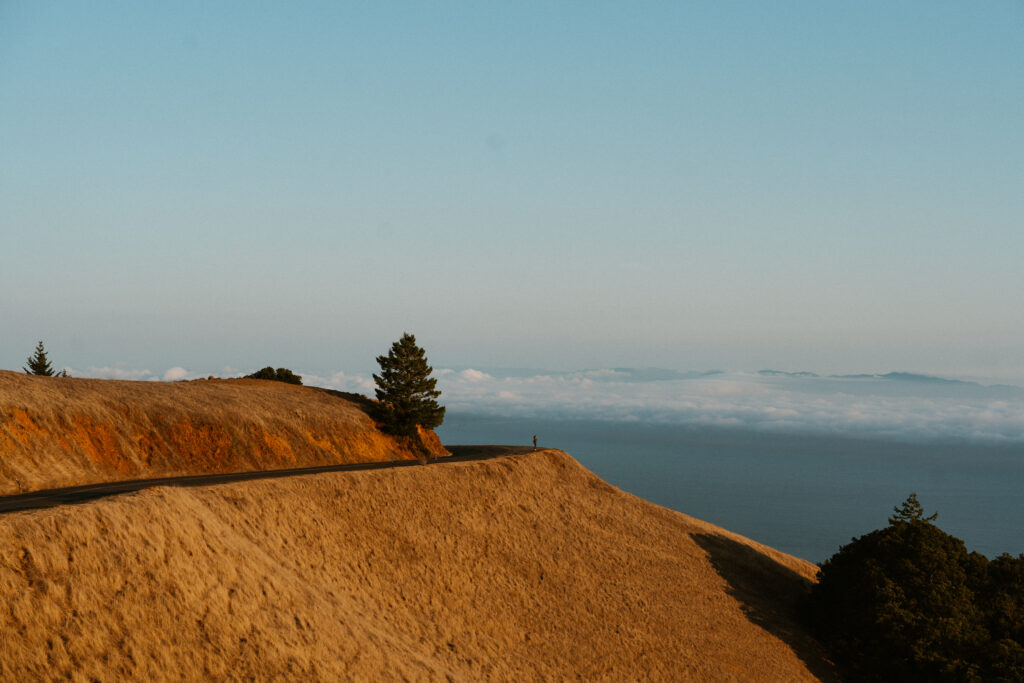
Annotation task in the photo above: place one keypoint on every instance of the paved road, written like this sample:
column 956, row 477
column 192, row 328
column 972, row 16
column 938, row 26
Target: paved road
column 81, row 494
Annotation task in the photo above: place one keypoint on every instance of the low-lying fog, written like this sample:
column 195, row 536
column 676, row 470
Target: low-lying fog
column 892, row 406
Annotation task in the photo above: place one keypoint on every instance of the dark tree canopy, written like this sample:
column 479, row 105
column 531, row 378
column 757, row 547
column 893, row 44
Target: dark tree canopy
column 279, row 375
column 39, row 364
column 909, row 602
column 406, row 393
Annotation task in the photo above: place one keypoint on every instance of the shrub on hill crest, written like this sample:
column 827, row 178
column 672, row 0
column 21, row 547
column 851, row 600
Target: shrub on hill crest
column 279, row 375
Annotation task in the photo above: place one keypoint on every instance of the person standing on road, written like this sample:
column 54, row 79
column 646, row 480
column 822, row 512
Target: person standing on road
column 534, row 440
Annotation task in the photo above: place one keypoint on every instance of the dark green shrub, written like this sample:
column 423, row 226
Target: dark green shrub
column 1002, row 601
column 909, row 602
column 279, row 375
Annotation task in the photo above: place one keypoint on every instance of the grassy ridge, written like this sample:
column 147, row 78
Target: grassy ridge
column 523, row 568
column 66, row 431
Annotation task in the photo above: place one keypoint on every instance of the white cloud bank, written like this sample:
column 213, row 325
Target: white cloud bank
column 174, row 374
column 902, row 407
column 107, row 372
column 872, row 406
column 357, row 384
column 867, row 407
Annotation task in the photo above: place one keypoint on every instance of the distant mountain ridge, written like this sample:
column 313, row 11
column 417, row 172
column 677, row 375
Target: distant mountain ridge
column 659, row 374
column 907, row 377
column 1008, row 390
column 783, row 373
column 616, row 374
column 948, row 387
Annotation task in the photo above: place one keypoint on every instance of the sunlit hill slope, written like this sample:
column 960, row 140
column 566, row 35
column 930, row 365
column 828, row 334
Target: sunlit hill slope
column 67, row 431
column 519, row 568
column 525, row 568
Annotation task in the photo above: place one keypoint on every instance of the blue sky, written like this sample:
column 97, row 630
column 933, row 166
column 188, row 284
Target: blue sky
column 836, row 187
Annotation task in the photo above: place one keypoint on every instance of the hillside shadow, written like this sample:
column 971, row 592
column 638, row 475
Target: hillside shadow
column 364, row 403
column 769, row 594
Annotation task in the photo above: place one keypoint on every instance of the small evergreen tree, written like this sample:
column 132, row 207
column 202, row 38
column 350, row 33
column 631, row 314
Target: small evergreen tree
column 38, row 364
column 911, row 511
column 406, row 393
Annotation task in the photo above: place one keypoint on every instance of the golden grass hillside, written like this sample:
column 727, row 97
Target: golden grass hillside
column 522, row 568
column 58, row 432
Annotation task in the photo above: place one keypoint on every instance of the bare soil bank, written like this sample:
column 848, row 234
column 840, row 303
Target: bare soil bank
column 525, row 568
column 58, row 432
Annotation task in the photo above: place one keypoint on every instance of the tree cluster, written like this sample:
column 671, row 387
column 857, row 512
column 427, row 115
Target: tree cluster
column 909, row 602
column 279, row 375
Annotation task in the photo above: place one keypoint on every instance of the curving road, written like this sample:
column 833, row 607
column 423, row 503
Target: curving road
column 80, row 494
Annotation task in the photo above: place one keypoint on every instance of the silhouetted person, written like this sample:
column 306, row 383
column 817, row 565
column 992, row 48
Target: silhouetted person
column 534, row 440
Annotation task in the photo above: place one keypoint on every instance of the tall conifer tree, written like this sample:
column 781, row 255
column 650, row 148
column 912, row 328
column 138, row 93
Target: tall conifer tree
column 405, row 390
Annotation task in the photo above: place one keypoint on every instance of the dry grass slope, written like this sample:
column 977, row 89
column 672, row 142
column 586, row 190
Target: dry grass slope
column 64, row 432
column 526, row 568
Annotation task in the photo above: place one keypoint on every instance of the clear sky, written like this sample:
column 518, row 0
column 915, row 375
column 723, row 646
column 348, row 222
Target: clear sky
column 827, row 186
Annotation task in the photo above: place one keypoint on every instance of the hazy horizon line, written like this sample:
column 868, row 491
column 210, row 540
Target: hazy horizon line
column 894, row 406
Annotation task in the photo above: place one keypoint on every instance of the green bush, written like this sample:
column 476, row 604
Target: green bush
column 1002, row 601
column 279, row 375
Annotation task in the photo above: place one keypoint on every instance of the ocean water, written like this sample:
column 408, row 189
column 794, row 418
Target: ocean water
column 806, row 495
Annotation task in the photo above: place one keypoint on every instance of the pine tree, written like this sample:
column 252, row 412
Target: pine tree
column 911, row 511
column 406, row 392
column 38, row 363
